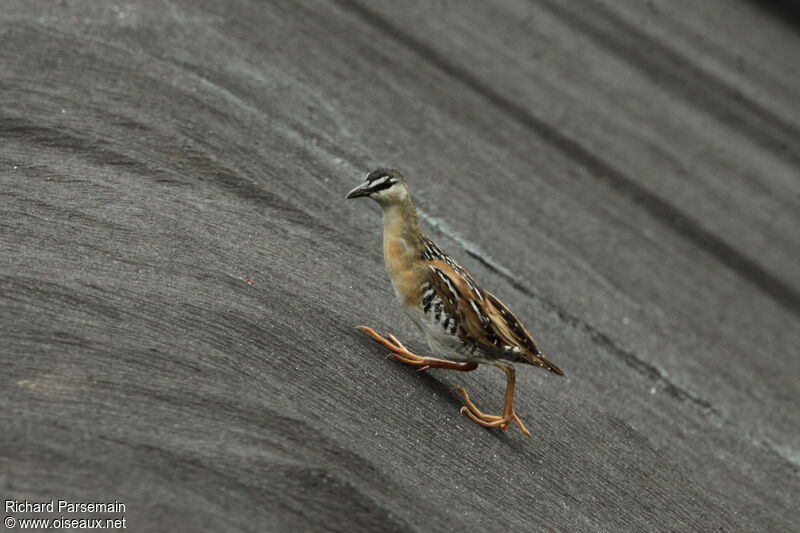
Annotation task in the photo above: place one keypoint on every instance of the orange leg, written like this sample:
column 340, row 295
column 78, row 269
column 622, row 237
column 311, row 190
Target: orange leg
column 508, row 416
column 400, row 353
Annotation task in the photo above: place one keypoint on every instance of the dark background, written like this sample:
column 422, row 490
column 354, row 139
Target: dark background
column 624, row 175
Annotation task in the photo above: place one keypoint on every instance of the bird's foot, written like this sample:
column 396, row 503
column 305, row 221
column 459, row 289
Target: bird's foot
column 401, row 353
column 489, row 421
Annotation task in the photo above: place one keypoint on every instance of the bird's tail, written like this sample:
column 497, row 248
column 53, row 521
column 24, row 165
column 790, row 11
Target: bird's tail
column 541, row 361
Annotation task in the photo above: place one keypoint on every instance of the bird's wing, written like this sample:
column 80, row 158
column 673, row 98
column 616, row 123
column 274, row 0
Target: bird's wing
column 483, row 320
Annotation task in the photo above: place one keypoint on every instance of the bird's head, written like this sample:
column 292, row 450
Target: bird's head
column 384, row 185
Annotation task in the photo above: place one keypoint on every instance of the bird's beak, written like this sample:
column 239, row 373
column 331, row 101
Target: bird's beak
column 361, row 190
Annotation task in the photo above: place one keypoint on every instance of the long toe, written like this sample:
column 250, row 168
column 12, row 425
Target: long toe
column 407, row 360
column 479, row 415
column 499, row 422
column 393, row 344
column 471, row 407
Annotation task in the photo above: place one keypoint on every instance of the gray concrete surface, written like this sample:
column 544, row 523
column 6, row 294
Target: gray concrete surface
column 624, row 176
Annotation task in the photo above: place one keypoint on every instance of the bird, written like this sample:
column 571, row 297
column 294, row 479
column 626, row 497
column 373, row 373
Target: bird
column 464, row 324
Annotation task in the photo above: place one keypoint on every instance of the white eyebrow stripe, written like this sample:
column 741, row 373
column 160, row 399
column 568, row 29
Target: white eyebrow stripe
column 377, row 182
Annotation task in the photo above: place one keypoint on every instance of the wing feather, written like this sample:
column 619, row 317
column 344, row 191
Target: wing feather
column 484, row 321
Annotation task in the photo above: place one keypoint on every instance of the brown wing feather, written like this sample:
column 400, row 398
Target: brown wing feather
column 482, row 318
column 509, row 327
column 459, row 302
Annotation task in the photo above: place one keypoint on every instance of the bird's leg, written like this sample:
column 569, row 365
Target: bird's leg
column 400, row 353
column 508, row 416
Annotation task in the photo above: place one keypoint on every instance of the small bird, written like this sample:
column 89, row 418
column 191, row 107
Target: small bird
column 464, row 324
